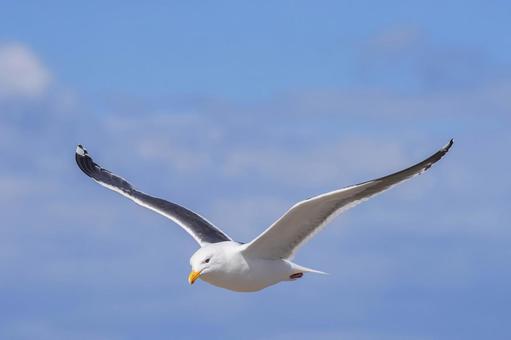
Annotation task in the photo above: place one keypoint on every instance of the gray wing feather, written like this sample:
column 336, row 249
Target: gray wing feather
column 307, row 217
column 198, row 227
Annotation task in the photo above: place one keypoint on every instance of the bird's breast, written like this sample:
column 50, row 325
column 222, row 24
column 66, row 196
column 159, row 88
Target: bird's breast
column 246, row 274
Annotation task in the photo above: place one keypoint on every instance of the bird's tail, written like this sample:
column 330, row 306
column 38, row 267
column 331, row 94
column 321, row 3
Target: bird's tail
column 307, row 270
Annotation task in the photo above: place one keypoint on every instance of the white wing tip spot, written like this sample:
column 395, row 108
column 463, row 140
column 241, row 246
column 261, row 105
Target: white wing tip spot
column 80, row 150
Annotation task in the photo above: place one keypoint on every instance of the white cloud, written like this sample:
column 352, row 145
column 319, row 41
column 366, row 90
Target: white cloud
column 181, row 159
column 16, row 188
column 22, row 74
column 324, row 164
column 248, row 216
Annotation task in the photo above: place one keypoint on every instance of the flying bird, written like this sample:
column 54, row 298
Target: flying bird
column 267, row 259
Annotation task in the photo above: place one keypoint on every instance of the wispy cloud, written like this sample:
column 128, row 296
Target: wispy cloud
column 22, row 74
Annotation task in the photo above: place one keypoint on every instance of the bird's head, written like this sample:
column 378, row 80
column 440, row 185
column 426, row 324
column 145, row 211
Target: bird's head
column 204, row 261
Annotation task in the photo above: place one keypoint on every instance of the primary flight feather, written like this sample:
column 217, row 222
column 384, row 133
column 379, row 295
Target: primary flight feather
column 266, row 260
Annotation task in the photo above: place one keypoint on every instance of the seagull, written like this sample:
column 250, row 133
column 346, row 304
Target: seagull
column 267, row 259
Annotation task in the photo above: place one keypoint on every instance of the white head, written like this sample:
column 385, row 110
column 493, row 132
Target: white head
column 204, row 261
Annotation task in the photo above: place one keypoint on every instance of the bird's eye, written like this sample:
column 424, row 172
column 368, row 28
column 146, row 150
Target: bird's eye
column 206, row 261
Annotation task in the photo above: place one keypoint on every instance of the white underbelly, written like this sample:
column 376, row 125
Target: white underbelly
column 254, row 275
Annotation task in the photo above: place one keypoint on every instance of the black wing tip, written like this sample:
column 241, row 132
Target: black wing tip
column 448, row 145
column 438, row 155
column 83, row 160
column 81, row 150
column 443, row 151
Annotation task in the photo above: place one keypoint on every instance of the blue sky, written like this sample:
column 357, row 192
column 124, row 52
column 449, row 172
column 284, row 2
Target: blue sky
column 237, row 110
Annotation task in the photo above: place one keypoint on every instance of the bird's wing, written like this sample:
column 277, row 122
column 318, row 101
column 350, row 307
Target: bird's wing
column 201, row 230
column 307, row 217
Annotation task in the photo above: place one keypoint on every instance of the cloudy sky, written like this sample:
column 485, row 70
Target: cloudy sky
column 237, row 110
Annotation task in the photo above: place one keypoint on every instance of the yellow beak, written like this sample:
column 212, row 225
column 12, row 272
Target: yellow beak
column 193, row 277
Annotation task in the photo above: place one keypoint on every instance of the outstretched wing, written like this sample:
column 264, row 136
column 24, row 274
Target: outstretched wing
column 201, row 230
column 305, row 218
